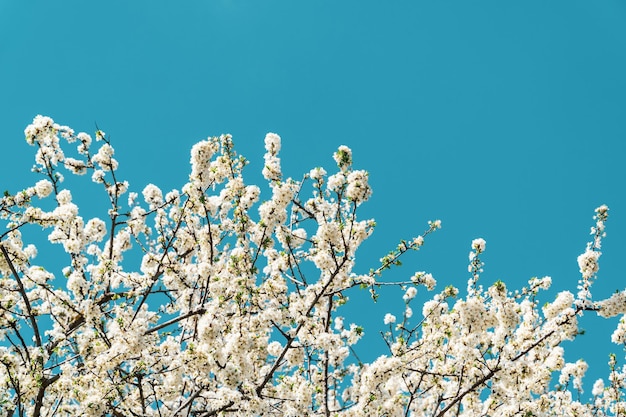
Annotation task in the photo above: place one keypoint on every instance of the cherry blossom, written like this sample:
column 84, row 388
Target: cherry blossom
column 205, row 301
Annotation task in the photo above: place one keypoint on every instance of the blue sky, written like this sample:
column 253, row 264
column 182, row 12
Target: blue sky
column 504, row 119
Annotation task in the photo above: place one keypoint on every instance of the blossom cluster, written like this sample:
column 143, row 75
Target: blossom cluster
column 204, row 301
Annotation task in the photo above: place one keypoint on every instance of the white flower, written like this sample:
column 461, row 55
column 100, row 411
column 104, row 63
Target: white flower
column 298, row 237
column 429, row 282
column 98, row 176
column 358, row 189
column 173, row 197
column 543, row 283
column 317, row 173
column 598, row 388
column 41, row 124
column 612, row 306
column 132, row 197
column 30, row 251
column 104, row 158
column 479, row 245
column 84, row 138
column 64, row 197
column 272, row 170
column 588, row 263
column 619, row 335
column 409, row 294
column 602, row 210
column 426, row 279
column 272, row 143
column 274, row 348
column 95, row 230
column 434, row 224
column 153, row 195
column 338, row 323
column 389, row 318
column 43, row 188
column 343, row 157
column 336, row 182
column 560, row 305
column 77, row 166
column 100, row 135
column 250, row 196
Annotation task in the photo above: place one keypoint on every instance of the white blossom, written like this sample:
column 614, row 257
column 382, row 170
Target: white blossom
column 272, row 143
column 64, row 197
column 336, row 182
column 358, row 189
column 219, row 299
column 588, row 263
column 343, row 157
column 153, row 195
column 317, row 173
column 274, row 348
column 479, row 245
column 410, row 293
column 598, row 387
column 43, row 188
column 389, row 318
column 434, row 224
column 95, row 230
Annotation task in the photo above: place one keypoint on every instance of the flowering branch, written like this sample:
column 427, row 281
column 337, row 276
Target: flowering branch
column 203, row 301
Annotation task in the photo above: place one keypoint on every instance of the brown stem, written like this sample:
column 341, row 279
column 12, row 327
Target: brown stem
column 174, row 320
column 33, row 321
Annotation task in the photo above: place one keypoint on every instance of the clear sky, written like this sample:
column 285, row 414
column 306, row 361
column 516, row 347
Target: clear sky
column 505, row 119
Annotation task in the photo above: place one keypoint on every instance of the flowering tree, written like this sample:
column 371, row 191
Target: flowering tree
column 203, row 302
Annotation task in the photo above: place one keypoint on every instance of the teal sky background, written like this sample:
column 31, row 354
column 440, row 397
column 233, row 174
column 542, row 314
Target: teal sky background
column 504, row 119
